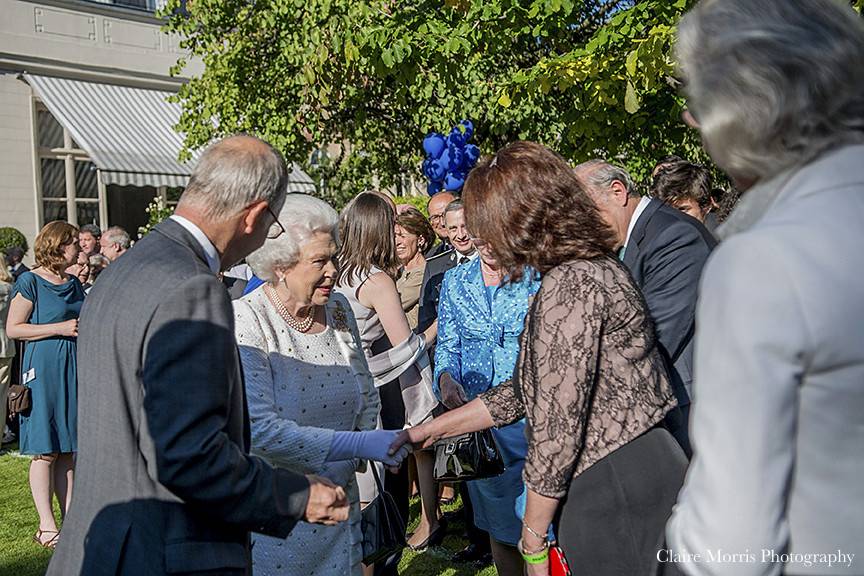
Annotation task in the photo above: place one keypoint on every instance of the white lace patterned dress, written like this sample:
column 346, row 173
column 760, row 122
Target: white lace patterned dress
column 300, row 388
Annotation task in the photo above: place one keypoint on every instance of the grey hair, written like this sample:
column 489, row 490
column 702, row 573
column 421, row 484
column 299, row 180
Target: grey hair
column 599, row 175
column 302, row 216
column 117, row 235
column 773, row 83
column 91, row 229
column 233, row 173
column 454, row 206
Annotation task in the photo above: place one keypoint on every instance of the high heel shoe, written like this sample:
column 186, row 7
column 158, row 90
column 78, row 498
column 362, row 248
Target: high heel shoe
column 435, row 538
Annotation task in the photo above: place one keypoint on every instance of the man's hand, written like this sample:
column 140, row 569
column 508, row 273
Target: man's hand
column 327, row 503
column 452, row 393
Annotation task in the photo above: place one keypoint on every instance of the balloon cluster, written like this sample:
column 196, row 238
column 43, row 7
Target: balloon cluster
column 449, row 159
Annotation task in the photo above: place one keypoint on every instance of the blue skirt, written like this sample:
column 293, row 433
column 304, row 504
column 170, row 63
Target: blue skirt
column 494, row 499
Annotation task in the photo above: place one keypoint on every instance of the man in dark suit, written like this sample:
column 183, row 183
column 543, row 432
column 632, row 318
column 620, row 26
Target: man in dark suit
column 14, row 257
column 462, row 251
column 164, row 482
column 436, row 207
column 665, row 251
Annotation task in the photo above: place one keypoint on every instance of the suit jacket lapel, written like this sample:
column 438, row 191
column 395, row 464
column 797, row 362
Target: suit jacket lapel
column 631, row 253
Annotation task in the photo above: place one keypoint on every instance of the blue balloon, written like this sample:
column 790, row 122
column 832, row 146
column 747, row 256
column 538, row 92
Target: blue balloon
column 433, row 188
column 469, row 129
column 457, row 157
column 470, row 155
column 434, row 144
column 454, row 181
column 456, row 137
column 437, row 170
column 444, row 159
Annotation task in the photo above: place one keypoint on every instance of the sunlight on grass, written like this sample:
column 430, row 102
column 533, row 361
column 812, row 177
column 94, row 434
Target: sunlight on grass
column 20, row 556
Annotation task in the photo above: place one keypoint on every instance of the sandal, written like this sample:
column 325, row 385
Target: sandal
column 51, row 543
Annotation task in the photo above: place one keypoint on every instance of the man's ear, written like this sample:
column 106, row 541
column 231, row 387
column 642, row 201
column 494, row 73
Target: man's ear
column 619, row 194
column 254, row 216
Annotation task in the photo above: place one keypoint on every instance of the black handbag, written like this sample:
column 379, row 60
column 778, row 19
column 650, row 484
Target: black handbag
column 470, row 456
column 382, row 525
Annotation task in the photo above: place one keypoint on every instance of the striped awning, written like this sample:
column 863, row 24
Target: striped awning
column 128, row 132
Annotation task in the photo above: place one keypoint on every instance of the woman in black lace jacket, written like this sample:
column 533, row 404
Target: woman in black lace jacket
column 590, row 381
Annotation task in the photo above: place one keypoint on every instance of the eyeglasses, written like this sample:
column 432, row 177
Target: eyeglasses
column 276, row 229
column 436, row 217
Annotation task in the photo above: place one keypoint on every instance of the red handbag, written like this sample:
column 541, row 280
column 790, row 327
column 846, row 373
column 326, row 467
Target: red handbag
column 558, row 565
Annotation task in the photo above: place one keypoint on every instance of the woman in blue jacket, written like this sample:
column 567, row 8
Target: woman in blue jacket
column 480, row 318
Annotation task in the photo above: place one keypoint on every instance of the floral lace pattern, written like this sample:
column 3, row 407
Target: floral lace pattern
column 590, row 377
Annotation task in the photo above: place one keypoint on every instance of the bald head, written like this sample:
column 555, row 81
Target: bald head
column 437, row 205
column 234, row 173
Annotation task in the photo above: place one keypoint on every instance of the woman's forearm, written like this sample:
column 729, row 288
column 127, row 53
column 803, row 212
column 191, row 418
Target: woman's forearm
column 471, row 417
column 431, row 334
column 539, row 512
column 29, row 332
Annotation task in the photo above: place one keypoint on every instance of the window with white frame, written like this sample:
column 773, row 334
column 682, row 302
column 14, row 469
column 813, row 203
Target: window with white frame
column 68, row 179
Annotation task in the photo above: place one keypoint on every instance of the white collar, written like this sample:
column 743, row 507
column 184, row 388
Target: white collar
column 643, row 204
column 470, row 257
column 209, row 249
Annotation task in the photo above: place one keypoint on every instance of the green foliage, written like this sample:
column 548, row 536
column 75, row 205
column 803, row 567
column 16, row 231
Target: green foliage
column 419, row 202
column 10, row 237
column 588, row 78
column 157, row 211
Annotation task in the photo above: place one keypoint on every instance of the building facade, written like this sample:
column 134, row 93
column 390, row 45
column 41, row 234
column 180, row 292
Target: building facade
column 86, row 128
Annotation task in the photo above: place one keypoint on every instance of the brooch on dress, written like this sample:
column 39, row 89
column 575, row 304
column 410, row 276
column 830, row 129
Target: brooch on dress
column 340, row 318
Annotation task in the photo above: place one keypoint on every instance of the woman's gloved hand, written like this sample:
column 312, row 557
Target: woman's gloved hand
column 368, row 445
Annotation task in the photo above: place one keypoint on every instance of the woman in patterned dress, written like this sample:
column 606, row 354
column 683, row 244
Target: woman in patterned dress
column 312, row 403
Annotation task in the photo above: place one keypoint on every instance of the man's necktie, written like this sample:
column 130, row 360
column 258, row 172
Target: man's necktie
column 464, row 259
column 621, row 252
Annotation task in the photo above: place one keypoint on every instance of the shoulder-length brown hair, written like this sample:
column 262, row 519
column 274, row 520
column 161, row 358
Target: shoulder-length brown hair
column 48, row 247
column 414, row 222
column 367, row 238
column 528, row 204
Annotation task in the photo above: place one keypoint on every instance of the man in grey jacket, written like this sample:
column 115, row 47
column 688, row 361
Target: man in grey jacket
column 164, row 482
column 776, row 485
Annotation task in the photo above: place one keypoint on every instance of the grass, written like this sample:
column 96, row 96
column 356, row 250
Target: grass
column 20, row 556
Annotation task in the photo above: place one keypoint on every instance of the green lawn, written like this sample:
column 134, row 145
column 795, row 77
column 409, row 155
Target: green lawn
column 20, row 556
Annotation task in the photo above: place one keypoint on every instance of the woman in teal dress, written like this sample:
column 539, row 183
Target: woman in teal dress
column 44, row 313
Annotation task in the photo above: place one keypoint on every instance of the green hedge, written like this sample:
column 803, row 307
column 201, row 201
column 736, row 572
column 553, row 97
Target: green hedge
column 10, row 237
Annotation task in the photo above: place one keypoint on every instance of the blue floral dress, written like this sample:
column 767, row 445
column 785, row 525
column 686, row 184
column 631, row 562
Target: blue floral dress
column 49, row 368
column 478, row 345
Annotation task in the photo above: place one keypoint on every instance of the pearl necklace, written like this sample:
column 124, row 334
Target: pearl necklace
column 302, row 325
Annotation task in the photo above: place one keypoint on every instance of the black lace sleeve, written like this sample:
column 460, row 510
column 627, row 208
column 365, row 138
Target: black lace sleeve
column 557, row 375
column 504, row 403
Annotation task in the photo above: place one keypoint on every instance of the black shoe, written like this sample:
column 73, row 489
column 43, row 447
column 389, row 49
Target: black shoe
column 434, row 539
column 475, row 554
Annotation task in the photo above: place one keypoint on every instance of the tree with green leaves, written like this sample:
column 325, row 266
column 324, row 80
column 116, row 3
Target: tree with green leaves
column 587, row 77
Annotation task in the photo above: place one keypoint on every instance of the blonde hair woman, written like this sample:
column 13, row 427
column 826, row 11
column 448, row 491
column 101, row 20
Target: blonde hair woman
column 44, row 313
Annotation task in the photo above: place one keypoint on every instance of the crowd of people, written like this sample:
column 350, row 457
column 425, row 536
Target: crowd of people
column 671, row 372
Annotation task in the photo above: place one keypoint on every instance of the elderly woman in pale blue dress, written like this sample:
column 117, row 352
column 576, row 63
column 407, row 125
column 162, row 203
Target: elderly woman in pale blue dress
column 312, row 402
column 480, row 318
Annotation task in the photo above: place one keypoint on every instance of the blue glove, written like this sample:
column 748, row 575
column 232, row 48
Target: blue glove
column 367, row 445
